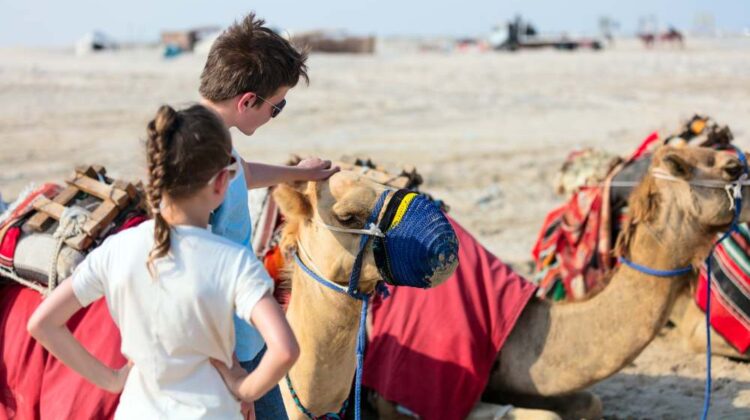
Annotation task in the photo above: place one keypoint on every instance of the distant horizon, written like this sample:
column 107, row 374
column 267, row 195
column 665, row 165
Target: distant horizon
column 46, row 23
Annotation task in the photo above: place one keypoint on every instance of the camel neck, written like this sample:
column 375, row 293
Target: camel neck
column 325, row 323
column 598, row 337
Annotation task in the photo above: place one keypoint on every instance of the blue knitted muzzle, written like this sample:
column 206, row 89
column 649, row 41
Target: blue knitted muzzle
column 418, row 241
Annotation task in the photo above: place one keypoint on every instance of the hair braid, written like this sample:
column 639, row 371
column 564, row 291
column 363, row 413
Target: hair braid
column 160, row 131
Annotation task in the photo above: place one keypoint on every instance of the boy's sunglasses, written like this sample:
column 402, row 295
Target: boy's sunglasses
column 233, row 169
column 277, row 108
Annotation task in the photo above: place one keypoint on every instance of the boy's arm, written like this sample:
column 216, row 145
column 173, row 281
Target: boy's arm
column 260, row 175
column 48, row 326
column 281, row 354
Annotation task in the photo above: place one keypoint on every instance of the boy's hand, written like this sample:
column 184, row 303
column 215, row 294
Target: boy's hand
column 232, row 377
column 317, row 169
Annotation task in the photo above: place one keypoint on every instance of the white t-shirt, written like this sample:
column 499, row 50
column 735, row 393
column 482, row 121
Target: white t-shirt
column 172, row 324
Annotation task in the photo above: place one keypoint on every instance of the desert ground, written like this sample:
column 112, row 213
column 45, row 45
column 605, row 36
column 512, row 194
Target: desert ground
column 488, row 131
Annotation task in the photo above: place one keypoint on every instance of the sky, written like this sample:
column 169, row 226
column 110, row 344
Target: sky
column 62, row 22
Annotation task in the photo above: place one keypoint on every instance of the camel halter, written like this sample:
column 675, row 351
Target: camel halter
column 412, row 241
column 353, row 291
column 734, row 192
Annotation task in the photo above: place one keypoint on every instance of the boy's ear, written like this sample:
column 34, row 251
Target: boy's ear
column 245, row 101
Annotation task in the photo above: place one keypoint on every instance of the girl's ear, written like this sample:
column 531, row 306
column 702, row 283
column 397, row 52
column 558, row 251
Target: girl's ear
column 221, row 182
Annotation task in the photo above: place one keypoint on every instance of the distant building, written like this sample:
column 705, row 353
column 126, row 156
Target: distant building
column 185, row 40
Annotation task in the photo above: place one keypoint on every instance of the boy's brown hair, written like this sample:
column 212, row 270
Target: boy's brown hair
column 249, row 57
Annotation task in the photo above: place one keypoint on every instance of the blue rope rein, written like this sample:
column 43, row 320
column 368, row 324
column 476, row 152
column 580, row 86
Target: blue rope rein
column 733, row 227
column 354, row 292
column 655, row 272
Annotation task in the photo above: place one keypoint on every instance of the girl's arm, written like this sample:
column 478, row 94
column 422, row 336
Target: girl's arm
column 281, row 354
column 48, row 326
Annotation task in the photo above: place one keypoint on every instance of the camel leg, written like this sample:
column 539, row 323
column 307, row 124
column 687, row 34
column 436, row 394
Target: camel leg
column 487, row 411
column 695, row 328
column 482, row 411
column 691, row 322
column 578, row 405
column 387, row 410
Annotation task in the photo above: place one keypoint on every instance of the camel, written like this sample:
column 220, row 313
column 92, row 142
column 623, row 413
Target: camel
column 672, row 37
column 324, row 321
column 553, row 352
column 560, row 349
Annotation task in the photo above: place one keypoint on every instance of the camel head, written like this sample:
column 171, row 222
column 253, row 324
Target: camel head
column 684, row 190
column 316, row 213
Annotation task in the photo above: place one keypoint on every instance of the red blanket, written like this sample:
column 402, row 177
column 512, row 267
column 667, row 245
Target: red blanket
column 431, row 350
column 36, row 385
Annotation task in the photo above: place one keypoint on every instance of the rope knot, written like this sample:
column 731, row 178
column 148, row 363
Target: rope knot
column 71, row 223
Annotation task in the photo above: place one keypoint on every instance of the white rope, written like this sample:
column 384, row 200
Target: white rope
column 11, row 274
column 71, row 224
column 315, row 268
column 372, row 230
column 708, row 183
column 733, row 189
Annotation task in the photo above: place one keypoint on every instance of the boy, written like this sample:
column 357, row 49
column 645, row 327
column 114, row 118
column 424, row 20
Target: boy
column 247, row 75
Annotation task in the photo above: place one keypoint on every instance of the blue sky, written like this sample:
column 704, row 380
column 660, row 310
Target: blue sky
column 61, row 22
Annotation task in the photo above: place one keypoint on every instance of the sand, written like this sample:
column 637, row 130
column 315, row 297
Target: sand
column 487, row 131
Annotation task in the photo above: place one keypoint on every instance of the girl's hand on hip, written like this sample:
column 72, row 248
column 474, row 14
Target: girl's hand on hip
column 233, row 376
column 120, row 376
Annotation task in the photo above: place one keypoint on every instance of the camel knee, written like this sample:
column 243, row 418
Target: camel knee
column 530, row 414
column 387, row 410
column 581, row 405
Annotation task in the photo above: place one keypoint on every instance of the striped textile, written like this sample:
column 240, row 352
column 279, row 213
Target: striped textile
column 573, row 251
column 569, row 256
column 730, row 289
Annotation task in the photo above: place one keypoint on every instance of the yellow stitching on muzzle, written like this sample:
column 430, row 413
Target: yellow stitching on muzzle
column 402, row 209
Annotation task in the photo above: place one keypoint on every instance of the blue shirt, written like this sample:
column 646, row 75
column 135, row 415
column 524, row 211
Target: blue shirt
column 232, row 221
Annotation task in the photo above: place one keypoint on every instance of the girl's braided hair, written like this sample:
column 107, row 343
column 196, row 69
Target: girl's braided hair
column 184, row 150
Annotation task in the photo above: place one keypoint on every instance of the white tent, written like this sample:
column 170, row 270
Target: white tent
column 94, row 41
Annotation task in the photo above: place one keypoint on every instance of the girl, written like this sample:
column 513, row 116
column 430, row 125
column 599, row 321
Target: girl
column 172, row 287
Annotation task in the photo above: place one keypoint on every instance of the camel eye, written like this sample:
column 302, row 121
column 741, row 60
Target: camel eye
column 346, row 219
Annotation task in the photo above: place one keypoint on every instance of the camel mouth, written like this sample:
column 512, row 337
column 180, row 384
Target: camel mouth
column 419, row 247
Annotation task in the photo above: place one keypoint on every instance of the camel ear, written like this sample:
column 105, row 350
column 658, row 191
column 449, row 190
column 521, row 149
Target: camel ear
column 677, row 166
column 622, row 243
column 292, row 201
column 643, row 205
